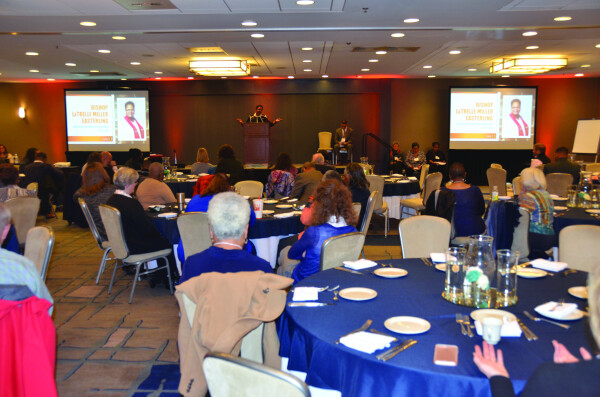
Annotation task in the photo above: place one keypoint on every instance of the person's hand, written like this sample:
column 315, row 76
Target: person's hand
column 488, row 361
column 240, row 121
column 277, row 120
column 563, row 356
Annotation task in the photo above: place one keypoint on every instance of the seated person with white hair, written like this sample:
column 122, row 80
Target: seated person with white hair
column 320, row 165
column 153, row 190
column 228, row 216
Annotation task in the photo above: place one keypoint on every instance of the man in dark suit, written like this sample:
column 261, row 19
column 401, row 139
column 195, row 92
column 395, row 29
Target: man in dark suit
column 343, row 139
column 306, row 182
column 562, row 164
column 50, row 181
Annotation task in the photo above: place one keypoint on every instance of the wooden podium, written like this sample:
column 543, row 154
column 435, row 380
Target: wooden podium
column 256, row 142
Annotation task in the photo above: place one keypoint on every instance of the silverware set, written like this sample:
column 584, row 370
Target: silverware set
column 465, row 324
column 526, row 331
column 534, row 318
column 386, row 355
column 427, row 261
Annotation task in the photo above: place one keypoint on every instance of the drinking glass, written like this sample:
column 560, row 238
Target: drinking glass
column 506, row 277
column 455, row 274
column 572, row 196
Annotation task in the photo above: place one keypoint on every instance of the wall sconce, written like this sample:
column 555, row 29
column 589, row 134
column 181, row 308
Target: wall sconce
column 22, row 112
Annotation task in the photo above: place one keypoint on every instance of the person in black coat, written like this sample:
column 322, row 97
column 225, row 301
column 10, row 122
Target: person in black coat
column 229, row 165
column 50, row 181
column 359, row 187
column 563, row 165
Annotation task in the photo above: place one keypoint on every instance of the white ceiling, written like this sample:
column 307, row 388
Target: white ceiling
column 483, row 30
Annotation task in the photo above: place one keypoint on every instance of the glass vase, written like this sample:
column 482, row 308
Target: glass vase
column 481, row 268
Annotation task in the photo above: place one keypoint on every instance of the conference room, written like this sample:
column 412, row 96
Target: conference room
column 396, row 72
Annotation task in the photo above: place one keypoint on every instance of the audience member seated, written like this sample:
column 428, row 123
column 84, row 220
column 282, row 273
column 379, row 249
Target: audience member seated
column 281, row 180
column 469, row 205
column 202, row 165
column 539, row 153
column 566, row 376
column 140, row 234
column 562, row 164
column 29, row 157
column 50, row 181
column 228, row 216
column 135, row 160
column 359, row 187
column 537, row 201
column 95, row 190
column 396, row 159
column 109, row 165
column 320, row 165
column 306, row 216
column 152, row 190
column 229, row 165
column 15, row 269
column 332, row 215
column 436, row 159
column 9, row 178
column 93, row 157
column 5, row 157
column 306, row 182
column 415, row 160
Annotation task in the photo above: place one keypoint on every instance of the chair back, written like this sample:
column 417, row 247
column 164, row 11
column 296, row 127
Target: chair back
column 521, row 235
column 376, row 184
column 496, row 165
column 249, row 188
column 364, row 227
column 33, row 186
column 516, row 182
column 424, row 171
column 423, row 234
column 38, row 248
column 24, row 211
column 193, row 229
column 111, row 217
column 230, row 376
column 337, row 249
column 593, row 167
column 356, row 207
column 90, row 221
column 325, row 140
column 497, row 177
column 558, row 183
column 578, row 247
column 432, row 183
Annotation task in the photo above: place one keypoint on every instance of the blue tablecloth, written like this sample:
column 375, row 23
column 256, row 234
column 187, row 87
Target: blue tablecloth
column 307, row 335
column 182, row 187
column 401, row 189
column 574, row 216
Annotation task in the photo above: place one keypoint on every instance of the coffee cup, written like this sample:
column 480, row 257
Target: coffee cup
column 257, row 205
column 491, row 329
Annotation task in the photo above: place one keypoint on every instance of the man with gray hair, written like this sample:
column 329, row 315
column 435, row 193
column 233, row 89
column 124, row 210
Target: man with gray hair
column 15, row 269
column 228, row 217
column 319, row 161
column 153, row 190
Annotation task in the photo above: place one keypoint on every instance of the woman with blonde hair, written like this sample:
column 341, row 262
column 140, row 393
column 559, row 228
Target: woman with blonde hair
column 202, row 165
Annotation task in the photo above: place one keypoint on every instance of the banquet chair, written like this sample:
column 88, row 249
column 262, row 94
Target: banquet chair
column 193, row 229
column 423, row 175
column 432, row 183
column 578, row 247
column 24, row 211
column 593, row 167
column 356, row 207
column 558, row 183
column 521, row 236
column 344, row 247
column 497, row 177
column 516, row 183
column 421, row 235
column 249, row 188
column 230, row 376
column 38, row 248
column 380, row 207
column 366, row 221
column 325, row 142
column 102, row 244
column 111, row 217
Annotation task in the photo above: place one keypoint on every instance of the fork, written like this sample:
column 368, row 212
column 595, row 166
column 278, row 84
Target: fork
column 335, row 295
column 534, row 318
column 333, row 288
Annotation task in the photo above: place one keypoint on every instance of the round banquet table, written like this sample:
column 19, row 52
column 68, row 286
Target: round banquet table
column 186, row 187
column 573, row 216
column 307, row 335
column 393, row 192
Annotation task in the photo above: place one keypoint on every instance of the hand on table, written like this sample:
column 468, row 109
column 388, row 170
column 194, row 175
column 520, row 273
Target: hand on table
column 563, row 356
column 488, row 361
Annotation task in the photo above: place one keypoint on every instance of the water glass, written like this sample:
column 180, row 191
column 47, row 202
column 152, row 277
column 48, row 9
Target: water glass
column 455, row 274
column 506, row 277
column 572, row 196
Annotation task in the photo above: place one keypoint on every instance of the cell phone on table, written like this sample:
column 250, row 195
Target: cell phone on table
column 446, row 355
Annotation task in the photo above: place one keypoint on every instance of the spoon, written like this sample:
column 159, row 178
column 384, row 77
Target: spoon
column 333, row 288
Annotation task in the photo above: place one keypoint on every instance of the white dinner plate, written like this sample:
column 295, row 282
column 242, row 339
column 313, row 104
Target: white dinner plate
column 593, row 211
column 505, row 197
column 407, row 325
column 358, row 294
column 557, row 198
column 390, row 272
column 284, row 206
column 578, row 292
column 292, row 200
column 575, row 315
column 168, row 215
column 267, row 212
column 246, row 197
column 560, row 208
column 441, row 267
column 501, row 314
column 271, row 201
column 531, row 272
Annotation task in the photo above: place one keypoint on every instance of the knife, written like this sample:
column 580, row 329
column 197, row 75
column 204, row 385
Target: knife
column 364, row 327
column 393, row 352
column 309, row 304
column 467, row 322
column 348, row 270
column 528, row 334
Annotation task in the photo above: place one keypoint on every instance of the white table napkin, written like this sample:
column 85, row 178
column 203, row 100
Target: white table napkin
column 412, row 178
column 359, row 264
column 284, row 215
column 510, row 329
column 438, row 257
column 366, row 342
column 555, row 310
column 305, row 294
column 548, row 265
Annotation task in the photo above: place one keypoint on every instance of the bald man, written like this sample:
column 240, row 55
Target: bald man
column 153, row 190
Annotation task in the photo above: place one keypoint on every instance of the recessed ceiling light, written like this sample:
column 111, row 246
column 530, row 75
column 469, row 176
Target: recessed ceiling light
column 365, row 70
column 34, row 71
column 411, row 20
column 307, row 60
column 119, row 38
column 579, row 75
column 254, row 77
column 472, row 70
column 31, row 53
column 585, row 66
column 427, row 67
column 381, row 52
column 431, row 76
column 157, row 72
column 257, row 35
column 103, row 51
column 51, row 79
column 506, row 75
column 325, row 76
column 561, row 19
column 454, row 52
column 249, row 23
column 373, row 60
column 532, row 47
column 307, row 48
column 94, row 71
column 397, row 35
column 290, row 77
column 531, row 33
column 87, row 23
column 305, row 2
column 308, row 70
column 70, row 64
column 134, row 63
